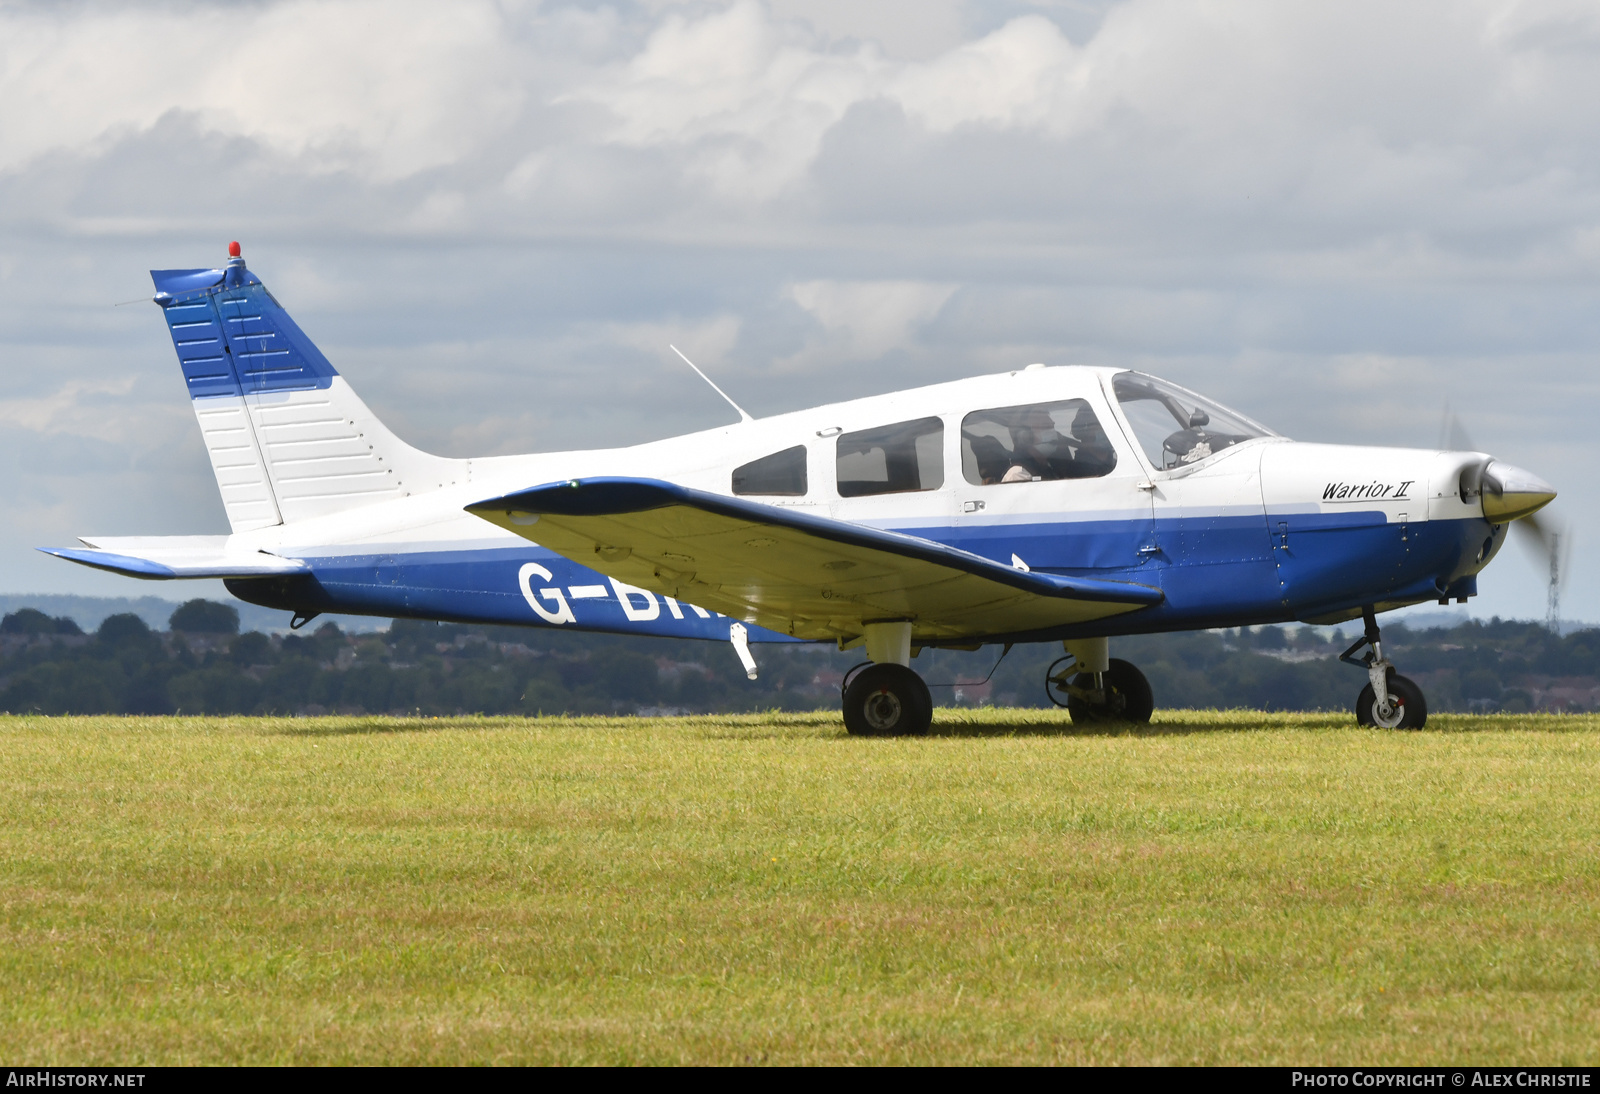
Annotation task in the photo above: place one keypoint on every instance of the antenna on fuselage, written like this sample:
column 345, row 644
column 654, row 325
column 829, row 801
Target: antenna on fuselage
column 743, row 417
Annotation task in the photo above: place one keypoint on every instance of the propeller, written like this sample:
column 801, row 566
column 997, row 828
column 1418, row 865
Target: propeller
column 1542, row 532
column 1549, row 538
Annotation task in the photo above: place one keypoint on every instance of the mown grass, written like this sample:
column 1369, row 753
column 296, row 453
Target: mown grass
column 1220, row 888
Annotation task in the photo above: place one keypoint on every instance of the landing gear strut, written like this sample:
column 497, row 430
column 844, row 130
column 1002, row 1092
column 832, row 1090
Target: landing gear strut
column 1097, row 688
column 1389, row 701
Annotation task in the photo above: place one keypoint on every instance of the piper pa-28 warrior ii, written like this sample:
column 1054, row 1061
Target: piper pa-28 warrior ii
column 1064, row 504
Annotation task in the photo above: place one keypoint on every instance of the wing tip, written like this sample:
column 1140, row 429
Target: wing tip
column 181, row 565
column 127, row 565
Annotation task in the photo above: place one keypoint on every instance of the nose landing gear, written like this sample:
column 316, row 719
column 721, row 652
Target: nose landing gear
column 1389, row 701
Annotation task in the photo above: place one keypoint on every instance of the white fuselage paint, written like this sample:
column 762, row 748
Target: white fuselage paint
column 424, row 510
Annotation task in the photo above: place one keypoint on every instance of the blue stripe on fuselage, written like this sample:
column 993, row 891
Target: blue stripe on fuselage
column 1215, row 572
column 484, row 585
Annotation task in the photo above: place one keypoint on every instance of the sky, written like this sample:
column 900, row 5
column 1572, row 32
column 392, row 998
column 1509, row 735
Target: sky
column 1342, row 218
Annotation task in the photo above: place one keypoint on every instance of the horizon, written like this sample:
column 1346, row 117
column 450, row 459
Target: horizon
column 1418, row 617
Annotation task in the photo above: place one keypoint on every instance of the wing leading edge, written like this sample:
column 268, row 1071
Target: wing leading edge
column 810, row 577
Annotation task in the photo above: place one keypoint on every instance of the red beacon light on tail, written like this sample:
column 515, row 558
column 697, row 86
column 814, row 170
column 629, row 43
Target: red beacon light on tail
column 234, row 276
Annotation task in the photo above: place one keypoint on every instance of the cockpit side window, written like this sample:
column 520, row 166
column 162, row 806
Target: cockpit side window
column 782, row 474
column 892, row 459
column 1176, row 428
column 1035, row 443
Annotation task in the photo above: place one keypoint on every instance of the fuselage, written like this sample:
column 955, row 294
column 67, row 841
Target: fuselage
column 1263, row 529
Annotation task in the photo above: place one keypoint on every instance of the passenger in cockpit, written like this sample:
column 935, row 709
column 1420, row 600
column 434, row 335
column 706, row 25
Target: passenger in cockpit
column 991, row 457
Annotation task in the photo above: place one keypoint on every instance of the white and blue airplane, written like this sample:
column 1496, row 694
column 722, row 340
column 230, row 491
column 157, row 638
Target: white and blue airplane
column 1065, row 504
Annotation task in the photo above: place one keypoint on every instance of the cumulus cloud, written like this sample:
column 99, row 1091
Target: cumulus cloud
column 494, row 215
column 386, row 88
column 78, row 406
column 1244, row 125
column 751, row 93
column 866, row 319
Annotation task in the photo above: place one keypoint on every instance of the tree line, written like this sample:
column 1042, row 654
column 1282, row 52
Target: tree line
column 202, row 664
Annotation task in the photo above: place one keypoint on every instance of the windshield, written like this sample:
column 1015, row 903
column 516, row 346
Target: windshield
column 1175, row 427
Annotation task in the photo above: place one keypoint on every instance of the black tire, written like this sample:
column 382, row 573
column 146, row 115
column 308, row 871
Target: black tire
column 1412, row 712
column 887, row 701
column 1128, row 697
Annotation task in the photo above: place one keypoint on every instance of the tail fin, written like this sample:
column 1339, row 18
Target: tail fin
column 288, row 437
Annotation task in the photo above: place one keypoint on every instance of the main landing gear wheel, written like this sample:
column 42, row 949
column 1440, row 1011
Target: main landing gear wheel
column 887, row 700
column 1407, row 709
column 1125, row 696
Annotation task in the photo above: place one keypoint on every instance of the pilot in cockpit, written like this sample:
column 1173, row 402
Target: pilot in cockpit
column 1038, row 449
column 1094, row 456
column 991, row 458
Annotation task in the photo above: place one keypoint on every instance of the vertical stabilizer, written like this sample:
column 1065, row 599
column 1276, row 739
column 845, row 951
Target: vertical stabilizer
column 288, row 437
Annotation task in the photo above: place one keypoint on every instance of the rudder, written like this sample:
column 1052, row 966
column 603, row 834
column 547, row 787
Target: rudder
column 288, row 437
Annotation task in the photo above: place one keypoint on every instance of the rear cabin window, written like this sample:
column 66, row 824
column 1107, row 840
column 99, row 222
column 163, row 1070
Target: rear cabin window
column 1034, row 443
column 782, row 474
column 892, row 459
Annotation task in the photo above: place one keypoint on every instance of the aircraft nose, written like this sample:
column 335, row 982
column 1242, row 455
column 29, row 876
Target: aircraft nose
column 1510, row 492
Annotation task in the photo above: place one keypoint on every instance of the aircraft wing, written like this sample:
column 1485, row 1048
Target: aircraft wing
column 168, row 557
column 810, row 577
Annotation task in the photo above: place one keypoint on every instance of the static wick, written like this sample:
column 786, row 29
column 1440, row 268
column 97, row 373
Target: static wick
column 743, row 417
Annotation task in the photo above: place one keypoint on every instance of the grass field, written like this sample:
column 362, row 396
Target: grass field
column 1219, row 888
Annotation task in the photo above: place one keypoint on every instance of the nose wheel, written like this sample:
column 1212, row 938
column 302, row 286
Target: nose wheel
column 887, row 700
column 1405, row 709
column 1389, row 701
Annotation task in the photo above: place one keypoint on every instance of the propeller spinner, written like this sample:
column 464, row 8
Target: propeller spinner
column 1511, row 495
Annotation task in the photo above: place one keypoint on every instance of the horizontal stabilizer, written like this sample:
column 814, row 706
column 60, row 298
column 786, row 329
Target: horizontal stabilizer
column 811, row 577
column 163, row 558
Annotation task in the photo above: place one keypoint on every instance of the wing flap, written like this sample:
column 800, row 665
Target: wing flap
column 798, row 574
